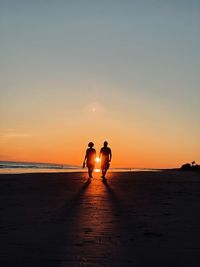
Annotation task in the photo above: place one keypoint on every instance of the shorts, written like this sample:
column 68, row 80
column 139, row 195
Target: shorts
column 90, row 165
column 105, row 165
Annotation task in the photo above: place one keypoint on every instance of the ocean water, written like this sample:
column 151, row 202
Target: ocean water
column 11, row 167
column 34, row 167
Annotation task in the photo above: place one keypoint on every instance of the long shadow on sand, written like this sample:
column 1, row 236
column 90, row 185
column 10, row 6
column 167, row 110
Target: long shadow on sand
column 44, row 243
column 128, row 227
column 73, row 206
column 62, row 236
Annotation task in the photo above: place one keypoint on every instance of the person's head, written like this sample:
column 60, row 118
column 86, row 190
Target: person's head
column 105, row 144
column 91, row 144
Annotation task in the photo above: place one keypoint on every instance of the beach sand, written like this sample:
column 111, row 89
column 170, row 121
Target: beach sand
column 135, row 219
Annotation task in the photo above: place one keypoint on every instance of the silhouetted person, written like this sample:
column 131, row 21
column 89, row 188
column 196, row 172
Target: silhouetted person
column 90, row 159
column 105, row 156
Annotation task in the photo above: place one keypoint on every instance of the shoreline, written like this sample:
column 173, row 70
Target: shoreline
column 111, row 170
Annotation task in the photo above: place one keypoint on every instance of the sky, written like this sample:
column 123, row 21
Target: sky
column 86, row 70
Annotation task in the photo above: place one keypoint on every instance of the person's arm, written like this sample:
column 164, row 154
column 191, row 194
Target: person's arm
column 84, row 160
column 84, row 163
column 110, row 155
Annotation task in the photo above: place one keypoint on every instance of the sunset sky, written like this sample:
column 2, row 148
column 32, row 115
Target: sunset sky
column 123, row 71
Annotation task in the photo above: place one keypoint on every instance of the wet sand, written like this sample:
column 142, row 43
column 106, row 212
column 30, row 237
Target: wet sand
column 135, row 219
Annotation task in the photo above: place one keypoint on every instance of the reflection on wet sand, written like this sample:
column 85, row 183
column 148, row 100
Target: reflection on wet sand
column 94, row 229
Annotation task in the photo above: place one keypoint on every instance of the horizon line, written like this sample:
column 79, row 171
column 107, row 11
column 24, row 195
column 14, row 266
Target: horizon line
column 80, row 166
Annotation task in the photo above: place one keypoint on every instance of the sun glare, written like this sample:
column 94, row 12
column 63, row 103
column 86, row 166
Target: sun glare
column 97, row 160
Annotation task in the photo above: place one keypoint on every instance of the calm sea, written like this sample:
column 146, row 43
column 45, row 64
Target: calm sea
column 11, row 167
column 34, row 167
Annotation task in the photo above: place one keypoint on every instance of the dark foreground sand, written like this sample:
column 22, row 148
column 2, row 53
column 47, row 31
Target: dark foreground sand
column 136, row 219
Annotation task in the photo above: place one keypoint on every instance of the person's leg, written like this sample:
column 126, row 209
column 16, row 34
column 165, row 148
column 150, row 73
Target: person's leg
column 90, row 171
column 102, row 171
column 106, row 167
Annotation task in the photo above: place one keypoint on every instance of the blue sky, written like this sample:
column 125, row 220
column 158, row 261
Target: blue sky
column 136, row 62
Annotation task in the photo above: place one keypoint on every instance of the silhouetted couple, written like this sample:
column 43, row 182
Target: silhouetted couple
column 105, row 157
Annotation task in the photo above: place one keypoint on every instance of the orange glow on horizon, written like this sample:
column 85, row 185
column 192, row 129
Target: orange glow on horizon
column 75, row 155
column 68, row 148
